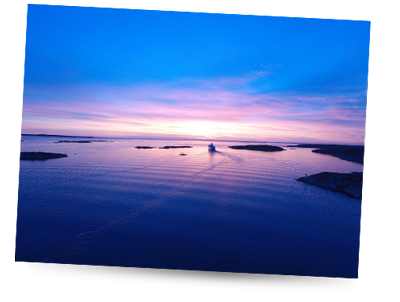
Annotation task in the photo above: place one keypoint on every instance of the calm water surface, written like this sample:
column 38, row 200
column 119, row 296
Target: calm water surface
column 108, row 203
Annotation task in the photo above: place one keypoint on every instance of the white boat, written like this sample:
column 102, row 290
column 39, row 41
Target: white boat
column 211, row 147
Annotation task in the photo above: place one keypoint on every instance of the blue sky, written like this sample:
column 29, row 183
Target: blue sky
column 122, row 72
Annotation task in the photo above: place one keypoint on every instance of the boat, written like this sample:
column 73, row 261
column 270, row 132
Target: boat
column 211, row 147
column 182, row 153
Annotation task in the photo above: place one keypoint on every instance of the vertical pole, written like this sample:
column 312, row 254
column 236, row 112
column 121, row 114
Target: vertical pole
column 366, row 147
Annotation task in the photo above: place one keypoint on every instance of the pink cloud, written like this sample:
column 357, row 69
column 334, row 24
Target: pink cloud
column 174, row 110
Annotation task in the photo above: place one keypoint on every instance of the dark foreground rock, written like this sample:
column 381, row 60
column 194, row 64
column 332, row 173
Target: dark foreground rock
column 40, row 155
column 144, row 147
column 267, row 148
column 174, row 147
column 345, row 152
column 347, row 183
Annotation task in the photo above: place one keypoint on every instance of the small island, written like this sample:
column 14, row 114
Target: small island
column 347, row 183
column 82, row 141
column 174, row 147
column 344, row 152
column 40, row 155
column 266, row 148
column 144, row 147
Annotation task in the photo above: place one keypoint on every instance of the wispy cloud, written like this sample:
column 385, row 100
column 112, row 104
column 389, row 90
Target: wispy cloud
column 201, row 108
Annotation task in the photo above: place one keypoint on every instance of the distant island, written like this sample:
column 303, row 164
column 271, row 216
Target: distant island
column 81, row 142
column 40, row 155
column 347, row 183
column 165, row 147
column 174, row 147
column 84, row 141
column 55, row 135
column 345, row 152
column 266, row 148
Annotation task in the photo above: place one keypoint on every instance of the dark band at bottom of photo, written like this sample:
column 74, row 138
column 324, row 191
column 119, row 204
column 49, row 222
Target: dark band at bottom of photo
column 64, row 279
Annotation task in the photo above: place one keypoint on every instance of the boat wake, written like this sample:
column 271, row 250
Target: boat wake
column 233, row 157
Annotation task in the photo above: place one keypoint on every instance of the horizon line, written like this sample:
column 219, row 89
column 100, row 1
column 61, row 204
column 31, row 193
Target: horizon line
column 193, row 139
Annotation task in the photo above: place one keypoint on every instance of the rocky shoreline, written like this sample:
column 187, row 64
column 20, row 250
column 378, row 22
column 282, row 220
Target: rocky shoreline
column 345, row 152
column 347, row 183
column 40, row 155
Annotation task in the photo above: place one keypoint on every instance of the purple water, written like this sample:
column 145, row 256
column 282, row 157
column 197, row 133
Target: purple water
column 108, row 203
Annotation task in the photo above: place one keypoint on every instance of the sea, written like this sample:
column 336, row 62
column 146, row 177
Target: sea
column 239, row 211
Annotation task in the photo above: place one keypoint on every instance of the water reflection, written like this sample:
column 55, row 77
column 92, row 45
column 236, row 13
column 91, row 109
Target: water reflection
column 211, row 155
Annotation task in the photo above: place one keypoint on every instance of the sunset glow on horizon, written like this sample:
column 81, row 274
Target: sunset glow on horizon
column 152, row 74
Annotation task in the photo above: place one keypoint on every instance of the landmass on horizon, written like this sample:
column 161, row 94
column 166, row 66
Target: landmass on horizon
column 345, row 152
column 56, row 135
column 292, row 144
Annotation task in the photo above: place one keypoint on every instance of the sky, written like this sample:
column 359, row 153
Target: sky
column 154, row 74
